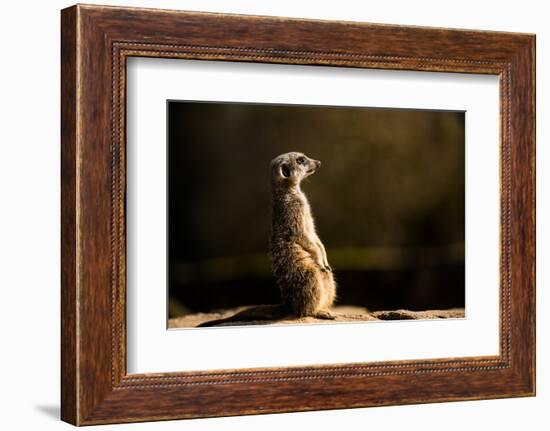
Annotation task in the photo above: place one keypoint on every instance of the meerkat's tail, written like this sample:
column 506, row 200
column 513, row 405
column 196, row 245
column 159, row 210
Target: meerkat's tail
column 255, row 312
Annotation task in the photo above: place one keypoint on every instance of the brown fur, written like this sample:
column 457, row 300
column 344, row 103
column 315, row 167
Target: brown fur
column 299, row 259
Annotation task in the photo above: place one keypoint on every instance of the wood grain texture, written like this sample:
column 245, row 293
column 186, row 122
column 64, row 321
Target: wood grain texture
column 69, row 366
column 96, row 41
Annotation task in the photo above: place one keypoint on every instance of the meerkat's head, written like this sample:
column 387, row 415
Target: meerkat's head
column 290, row 169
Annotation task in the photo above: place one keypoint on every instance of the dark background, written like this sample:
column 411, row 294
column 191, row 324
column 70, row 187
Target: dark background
column 388, row 202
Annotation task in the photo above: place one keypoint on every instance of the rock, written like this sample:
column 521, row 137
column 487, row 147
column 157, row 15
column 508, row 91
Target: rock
column 343, row 314
column 453, row 313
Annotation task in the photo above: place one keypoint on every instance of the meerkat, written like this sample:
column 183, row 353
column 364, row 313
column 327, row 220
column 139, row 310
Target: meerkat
column 299, row 259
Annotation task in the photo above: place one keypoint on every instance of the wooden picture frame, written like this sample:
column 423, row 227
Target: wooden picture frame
column 95, row 43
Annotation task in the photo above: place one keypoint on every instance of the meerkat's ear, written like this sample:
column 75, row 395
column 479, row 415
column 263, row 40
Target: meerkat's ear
column 285, row 170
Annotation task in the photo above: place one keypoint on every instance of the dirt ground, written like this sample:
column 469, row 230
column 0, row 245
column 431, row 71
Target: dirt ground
column 343, row 314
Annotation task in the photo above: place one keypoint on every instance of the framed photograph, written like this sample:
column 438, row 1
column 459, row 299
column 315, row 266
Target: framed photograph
column 258, row 208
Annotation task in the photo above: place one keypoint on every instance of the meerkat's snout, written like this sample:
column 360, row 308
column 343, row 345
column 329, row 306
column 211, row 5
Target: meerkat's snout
column 316, row 165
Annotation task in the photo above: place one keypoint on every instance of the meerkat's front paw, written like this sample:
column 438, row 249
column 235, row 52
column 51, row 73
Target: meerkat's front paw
column 328, row 268
column 325, row 315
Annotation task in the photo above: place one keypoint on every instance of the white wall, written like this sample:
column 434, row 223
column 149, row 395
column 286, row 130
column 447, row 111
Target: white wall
column 29, row 227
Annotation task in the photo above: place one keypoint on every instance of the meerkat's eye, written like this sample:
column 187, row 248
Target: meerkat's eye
column 300, row 160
